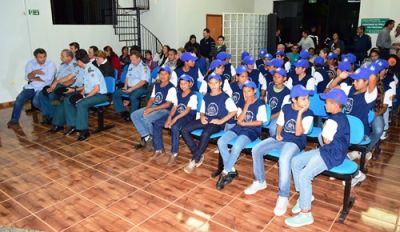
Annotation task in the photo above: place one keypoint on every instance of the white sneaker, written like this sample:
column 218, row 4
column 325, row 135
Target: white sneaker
column 198, row 164
column 368, row 156
column 384, row 135
column 354, row 155
column 281, row 206
column 190, row 167
column 255, row 187
column 357, row 179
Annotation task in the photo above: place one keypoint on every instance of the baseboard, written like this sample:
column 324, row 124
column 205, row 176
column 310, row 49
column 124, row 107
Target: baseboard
column 6, row 105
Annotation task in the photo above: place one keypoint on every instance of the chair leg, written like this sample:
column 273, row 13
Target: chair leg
column 348, row 201
column 363, row 167
column 100, row 119
column 377, row 151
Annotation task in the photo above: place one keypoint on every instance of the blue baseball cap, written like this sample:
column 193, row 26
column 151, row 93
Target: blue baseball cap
column 241, row 69
column 344, row 66
column 280, row 53
column 248, row 60
column 304, row 54
column 275, row 62
column 215, row 76
column 165, row 68
column 223, row 55
column 186, row 77
column 374, row 68
column 349, row 57
column 268, row 56
column 335, row 94
column 262, row 52
column 361, row 73
column 250, row 84
column 216, row 63
column 244, row 55
column 302, row 63
column 382, row 64
column 332, row 56
column 319, row 61
column 280, row 71
column 187, row 56
column 299, row 91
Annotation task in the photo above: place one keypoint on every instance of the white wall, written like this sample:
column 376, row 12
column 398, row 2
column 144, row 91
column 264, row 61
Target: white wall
column 263, row 6
column 379, row 9
column 22, row 33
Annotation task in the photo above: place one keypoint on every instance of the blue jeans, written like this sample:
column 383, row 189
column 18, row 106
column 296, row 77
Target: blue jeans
column 272, row 127
column 45, row 105
column 134, row 97
column 305, row 167
column 208, row 130
column 230, row 158
column 287, row 151
column 23, row 96
column 377, row 131
column 144, row 125
column 386, row 119
column 175, row 131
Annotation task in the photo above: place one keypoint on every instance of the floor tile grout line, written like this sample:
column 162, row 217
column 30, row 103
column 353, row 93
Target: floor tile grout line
column 336, row 218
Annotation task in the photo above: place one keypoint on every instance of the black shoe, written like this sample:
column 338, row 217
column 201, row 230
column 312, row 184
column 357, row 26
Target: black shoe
column 127, row 119
column 216, row 173
column 126, row 116
column 223, row 180
column 12, row 124
column 55, row 129
column 234, row 174
column 149, row 144
column 47, row 121
column 140, row 145
column 83, row 135
column 71, row 131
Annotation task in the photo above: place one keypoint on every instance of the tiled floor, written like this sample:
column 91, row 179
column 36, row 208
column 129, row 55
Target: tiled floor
column 50, row 182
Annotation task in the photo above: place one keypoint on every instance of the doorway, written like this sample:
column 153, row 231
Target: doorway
column 214, row 23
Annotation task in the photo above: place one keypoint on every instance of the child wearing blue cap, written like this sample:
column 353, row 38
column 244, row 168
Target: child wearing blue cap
column 360, row 100
column 189, row 67
column 332, row 62
column 281, row 55
column 247, row 129
column 305, row 166
column 266, row 72
column 321, row 76
column 255, row 75
column 260, row 62
column 300, row 77
column 294, row 122
column 237, row 86
column 217, row 67
column 158, row 106
column 277, row 96
column 182, row 113
column 229, row 70
column 217, row 108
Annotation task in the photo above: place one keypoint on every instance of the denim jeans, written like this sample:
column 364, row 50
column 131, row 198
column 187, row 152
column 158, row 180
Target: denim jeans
column 45, row 105
column 23, row 96
column 386, row 119
column 144, row 125
column 208, row 130
column 377, row 131
column 175, row 131
column 305, row 167
column 272, row 127
column 134, row 97
column 231, row 157
column 287, row 151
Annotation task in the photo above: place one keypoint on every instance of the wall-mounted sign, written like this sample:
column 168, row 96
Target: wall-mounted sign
column 33, row 12
column 373, row 25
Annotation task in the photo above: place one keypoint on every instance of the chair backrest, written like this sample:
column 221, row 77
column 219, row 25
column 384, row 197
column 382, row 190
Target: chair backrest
column 371, row 116
column 268, row 108
column 116, row 74
column 123, row 74
column 356, row 129
column 110, row 83
column 317, row 106
column 199, row 100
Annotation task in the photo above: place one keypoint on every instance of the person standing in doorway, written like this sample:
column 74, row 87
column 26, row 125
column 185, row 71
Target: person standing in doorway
column 207, row 44
column 384, row 41
column 361, row 44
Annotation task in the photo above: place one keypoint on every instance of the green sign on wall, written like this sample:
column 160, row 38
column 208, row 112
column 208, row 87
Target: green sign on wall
column 373, row 25
column 33, row 12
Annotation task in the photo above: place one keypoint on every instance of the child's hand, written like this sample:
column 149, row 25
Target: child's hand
column 343, row 75
column 173, row 122
column 217, row 121
column 203, row 120
column 241, row 123
column 147, row 111
column 168, row 123
column 279, row 137
column 304, row 108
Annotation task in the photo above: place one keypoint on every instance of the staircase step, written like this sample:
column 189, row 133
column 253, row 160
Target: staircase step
column 119, row 27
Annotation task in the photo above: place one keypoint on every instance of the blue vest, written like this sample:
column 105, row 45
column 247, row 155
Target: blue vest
column 303, row 82
column 253, row 76
column 215, row 106
column 237, row 94
column 358, row 107
column 387, row 80
column 289, row 127
column 193, row 72
column 253, row 132
column 268, row 76
column 275, row 99
column 349, row 81
column 161, row 93
column 334, row 153
column 323, row 84
column 182, row 104
column 227, row 75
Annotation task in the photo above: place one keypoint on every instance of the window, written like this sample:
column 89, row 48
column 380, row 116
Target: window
column 82, row 11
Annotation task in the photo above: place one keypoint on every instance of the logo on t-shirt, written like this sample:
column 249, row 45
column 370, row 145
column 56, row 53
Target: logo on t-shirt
column 212, row 109
column 273, row 102
column 349, row 106
column 235, row 97
column 227, row 77
column 181, row 107
column 290, row 126
column 158, row 98
column 249, row 116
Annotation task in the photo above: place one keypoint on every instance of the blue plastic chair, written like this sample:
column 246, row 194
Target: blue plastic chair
column 123, row 74
column 268, row 108
column 317, row 106
column 110, row 84
column 116, row 74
